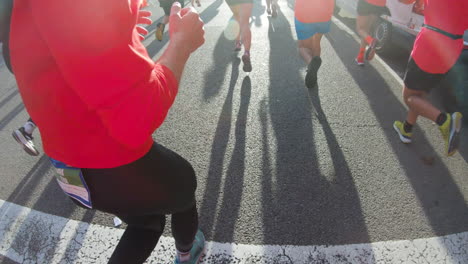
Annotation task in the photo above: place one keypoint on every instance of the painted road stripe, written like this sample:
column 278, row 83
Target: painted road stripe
column 30, row 236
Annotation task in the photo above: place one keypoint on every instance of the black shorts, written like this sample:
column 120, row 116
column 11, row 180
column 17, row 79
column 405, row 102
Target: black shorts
column 238, row 2
column 167, row 4
column 419, row 80
column 366, row 9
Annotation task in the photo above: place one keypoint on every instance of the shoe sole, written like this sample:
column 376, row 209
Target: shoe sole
column 454, row 139
column 247, row 64
column 31, row 150
column 402, row 138
column 359, row 63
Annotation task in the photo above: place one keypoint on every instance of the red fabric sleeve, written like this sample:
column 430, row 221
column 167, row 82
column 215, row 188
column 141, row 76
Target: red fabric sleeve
column 140, row 111
column 100, row 57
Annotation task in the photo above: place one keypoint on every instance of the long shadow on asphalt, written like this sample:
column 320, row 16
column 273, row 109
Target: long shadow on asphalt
column 219, row 146
column 300, row 205
column 234, row 181
column 441, row 199
column 34, row 240
column 222, row 56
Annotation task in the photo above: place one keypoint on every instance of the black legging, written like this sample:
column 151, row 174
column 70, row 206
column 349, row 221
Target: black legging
column 141, row 193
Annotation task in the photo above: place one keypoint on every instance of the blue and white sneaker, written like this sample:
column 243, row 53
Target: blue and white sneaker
column 195, row 254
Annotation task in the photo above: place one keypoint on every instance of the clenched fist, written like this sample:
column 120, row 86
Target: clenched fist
column 186, row 27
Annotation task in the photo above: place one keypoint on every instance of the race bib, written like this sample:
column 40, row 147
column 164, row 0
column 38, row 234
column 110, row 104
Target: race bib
column 72, row 182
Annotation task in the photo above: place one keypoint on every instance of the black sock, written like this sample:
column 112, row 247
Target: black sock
column 441, row 119
column 407, row 127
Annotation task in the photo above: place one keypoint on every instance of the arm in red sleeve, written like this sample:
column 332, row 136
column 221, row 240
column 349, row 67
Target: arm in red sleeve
column 100, row 57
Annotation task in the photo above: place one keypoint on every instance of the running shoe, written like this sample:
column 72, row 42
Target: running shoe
column 26, row 140
column 238, row 46
column 247, row 64
column 195, row 253
column 269, row 11
column 360, row 59
column 405, row 137
column 160, row 31
column 370, row 52
column 312, row 69
column 450, row 130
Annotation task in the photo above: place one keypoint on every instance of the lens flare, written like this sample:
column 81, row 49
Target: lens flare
column 232, row 29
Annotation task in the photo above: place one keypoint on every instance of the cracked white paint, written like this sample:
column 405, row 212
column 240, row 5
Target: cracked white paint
column 29, row 236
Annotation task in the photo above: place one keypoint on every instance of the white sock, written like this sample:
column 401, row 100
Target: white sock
column 29, row 127
column 183, row 256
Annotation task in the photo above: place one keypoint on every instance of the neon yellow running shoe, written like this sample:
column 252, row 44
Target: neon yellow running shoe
column 405, row 137
column 450, row 130
column 160, row 31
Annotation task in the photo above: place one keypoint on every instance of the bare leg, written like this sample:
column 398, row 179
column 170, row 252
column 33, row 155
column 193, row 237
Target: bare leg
column 363, row 27
column 316, row 48
column 306, row 49
column 309, row 48
column 419, row 106
column 245, row 11
column 310, row 52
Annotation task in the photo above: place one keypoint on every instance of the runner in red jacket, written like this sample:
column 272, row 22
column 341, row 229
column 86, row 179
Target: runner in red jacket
column 312, row 19
column 88, row 83
column 436, row 49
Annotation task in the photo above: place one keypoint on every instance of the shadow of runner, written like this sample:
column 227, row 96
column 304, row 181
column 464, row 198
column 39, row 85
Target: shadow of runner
column 234, row 181
column 11, row 115
column 222, row 54
column 211, row 11
column 258, row 10
column 35, row 240
column 218, row 152
column 300, row 205
column 441, row 199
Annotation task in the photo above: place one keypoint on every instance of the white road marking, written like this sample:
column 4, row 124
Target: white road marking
column 30, row 236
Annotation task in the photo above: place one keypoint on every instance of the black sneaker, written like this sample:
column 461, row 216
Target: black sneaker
column 26, row 140
column 247, row 64
column 312, row 69
column 370, row 52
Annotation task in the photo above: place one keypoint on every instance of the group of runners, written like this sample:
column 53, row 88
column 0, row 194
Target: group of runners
column 84, row 99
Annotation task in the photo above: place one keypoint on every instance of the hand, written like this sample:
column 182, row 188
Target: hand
column 186, row 28
column 143, row 18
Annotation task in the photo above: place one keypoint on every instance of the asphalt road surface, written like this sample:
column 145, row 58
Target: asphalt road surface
column 279, row 164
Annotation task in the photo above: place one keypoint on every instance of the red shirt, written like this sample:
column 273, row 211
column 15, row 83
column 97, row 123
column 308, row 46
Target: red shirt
column 87, row 80
column 313, row 11
column 377, row 2
column 432, row 51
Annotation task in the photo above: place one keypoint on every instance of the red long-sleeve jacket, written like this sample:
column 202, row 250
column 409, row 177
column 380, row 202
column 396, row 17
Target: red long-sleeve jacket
column 87, row 80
